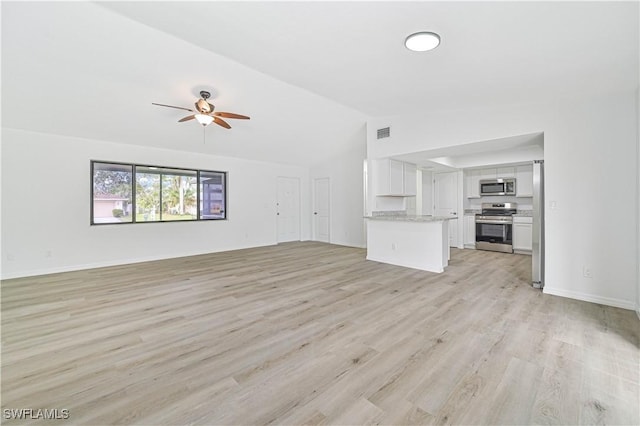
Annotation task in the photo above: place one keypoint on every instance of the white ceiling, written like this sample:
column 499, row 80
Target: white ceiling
column 92, row 70
column 504, row 151
column 353, row 52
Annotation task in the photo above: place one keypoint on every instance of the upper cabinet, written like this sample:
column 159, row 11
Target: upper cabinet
column 410, row 184
column 488, row 174
column 505, row 172
column 524, row 181
column 395, row 178
column 472, row 180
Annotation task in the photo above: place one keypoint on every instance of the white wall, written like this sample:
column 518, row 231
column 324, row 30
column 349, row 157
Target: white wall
column 427, row 193
column 345, row 172
column 638, row 199
column 46, row 205
column 589, row 144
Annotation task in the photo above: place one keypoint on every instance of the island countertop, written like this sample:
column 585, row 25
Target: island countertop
column 411, row 218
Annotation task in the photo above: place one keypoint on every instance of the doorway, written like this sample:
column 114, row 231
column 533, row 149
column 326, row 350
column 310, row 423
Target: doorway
column 445, row 201
column 321, row 209
column 288, row 209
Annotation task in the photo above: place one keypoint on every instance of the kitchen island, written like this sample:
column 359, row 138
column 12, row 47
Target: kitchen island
column 420, row 242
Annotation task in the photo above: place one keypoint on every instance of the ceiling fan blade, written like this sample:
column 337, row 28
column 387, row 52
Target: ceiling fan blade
column 171, row 106
column 231, row 115
column 221, row 122
column 187, row 118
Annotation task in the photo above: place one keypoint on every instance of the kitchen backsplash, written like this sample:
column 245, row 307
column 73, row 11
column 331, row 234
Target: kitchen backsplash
column 524, row 203
column 523, row 212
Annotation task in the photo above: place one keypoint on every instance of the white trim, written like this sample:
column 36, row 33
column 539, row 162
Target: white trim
column 617, row 303
column 278, row 181
column 72, row 268
column 314, row 208
column 637, row 301
column 403, row 264
column 343, row 244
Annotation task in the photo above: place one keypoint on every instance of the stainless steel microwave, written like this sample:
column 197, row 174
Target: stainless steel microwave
column 498, row 187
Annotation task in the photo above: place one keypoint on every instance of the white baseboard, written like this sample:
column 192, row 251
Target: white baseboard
column 71, row 268
column 525, row 252
column 609, row 301
column 345, row 244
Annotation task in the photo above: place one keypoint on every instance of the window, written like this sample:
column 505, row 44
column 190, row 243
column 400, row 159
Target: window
column 111, row 194
column 147, row 195
column 179, row 195
column 212, row 196
column 162, row 194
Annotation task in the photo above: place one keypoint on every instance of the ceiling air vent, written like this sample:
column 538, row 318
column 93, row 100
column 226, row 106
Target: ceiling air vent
column 384, row 133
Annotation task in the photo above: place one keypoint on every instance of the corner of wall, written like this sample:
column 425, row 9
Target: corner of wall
column 638, row 198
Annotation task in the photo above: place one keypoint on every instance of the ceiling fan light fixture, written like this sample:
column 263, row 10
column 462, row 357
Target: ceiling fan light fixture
column 204, row 119
column 422, row 41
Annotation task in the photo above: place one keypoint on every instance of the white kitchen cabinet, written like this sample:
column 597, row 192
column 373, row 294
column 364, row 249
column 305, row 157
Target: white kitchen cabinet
column 522, row 234
column 410, row 184
column 395, row 178
column 505, row 172
column 470, row 231
column 524, row 181
column 389, row 177
column 472, row 181
column 488, row 174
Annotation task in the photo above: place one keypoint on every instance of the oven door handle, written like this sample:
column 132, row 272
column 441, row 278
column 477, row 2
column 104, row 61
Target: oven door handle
column 496, row 222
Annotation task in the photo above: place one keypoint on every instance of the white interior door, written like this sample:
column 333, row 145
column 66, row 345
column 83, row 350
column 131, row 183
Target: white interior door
column 288, row 209
column 445, row 201
column 321, row 209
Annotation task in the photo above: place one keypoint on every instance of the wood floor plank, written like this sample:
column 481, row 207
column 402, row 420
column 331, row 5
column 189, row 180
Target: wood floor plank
column 312, row 333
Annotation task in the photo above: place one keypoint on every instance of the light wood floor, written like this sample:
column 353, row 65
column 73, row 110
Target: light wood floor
column 311, row 333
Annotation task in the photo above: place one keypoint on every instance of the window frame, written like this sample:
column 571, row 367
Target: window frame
column 134, row 213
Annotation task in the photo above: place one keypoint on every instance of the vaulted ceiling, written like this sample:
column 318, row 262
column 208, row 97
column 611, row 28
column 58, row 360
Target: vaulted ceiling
column 353, row 52
column 308, row 73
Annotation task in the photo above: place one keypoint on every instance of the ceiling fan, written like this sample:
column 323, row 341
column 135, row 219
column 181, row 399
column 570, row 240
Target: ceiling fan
column 204, row 112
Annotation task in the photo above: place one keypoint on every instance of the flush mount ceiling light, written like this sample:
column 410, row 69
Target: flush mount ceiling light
column 422, row 41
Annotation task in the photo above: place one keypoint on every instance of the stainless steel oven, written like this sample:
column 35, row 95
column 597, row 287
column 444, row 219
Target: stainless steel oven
column 494, row 227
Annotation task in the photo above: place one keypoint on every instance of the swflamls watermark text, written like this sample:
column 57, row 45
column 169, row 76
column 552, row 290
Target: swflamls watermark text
column 35, row 414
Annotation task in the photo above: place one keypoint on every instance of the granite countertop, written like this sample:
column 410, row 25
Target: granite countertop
column 410, row 218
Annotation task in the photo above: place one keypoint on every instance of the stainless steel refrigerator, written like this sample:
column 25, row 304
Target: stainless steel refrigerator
column 538, row 224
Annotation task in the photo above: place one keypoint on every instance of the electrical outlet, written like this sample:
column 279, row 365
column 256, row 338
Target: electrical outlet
column 393, row 246
column 586, row 271
column 11, row 256
column 48, row 253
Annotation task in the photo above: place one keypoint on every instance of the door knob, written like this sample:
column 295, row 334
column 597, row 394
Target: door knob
column 278, row 213
column 315, row 212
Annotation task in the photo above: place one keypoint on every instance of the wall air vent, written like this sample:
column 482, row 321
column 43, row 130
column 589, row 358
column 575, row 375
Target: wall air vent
column 384, row 133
